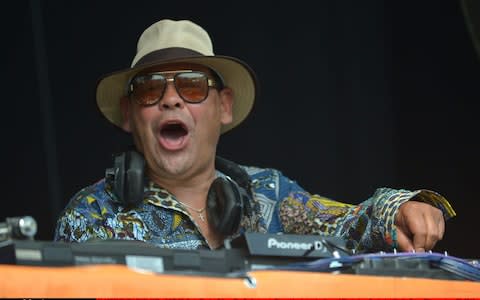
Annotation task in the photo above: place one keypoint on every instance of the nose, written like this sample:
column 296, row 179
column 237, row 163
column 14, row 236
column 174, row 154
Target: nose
column 170, row 98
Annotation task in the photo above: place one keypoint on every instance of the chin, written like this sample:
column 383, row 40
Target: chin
column 176, row 164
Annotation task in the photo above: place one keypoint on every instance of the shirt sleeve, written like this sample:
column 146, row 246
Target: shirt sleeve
column 73, row 226
column 84, row 218
column 77, row 224
column 368, row 226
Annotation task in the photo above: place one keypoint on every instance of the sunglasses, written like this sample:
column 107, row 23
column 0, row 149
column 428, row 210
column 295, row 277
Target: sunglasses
column 191, row 86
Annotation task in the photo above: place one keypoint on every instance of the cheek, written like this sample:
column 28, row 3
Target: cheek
column 206, row 116
column 140, row 124
column 144, row 115
column 207, row 123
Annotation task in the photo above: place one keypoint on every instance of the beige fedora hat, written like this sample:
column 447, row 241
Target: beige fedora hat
column 169, row 41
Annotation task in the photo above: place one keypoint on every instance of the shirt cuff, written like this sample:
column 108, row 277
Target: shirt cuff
column 437, row 200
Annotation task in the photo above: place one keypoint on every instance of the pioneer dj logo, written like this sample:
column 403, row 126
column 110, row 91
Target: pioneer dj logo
column 273, row 243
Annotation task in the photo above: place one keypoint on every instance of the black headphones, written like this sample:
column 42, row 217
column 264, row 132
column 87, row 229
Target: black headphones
column 227, row 201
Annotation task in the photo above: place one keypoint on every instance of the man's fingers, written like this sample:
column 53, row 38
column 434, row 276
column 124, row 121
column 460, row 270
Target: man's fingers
column 441, row 226
column 419, row 226
column 404, row 242
column 435, row 228
column 425, row 234
column 420, row 241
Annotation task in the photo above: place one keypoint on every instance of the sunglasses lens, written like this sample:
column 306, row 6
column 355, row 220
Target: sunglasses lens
column 192, row 86
column 148, row 89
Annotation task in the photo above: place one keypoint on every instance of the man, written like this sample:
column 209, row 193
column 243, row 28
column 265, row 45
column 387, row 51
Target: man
column 176, row 100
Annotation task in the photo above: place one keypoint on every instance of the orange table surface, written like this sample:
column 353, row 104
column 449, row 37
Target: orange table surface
column 97, row 281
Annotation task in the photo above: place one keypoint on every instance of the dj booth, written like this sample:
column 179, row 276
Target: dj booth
column 254, row 265
column 98, row 281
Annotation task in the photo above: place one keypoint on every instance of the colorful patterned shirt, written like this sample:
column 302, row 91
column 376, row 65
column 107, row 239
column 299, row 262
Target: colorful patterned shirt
column 279, row 205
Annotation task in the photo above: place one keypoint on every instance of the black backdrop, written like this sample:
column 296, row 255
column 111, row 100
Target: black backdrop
column 354, row 95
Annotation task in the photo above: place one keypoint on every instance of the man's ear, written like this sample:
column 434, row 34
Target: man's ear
column 125, row 109
column 226, row 105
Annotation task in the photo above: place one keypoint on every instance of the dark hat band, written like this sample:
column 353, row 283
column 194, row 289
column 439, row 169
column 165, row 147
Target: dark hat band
column 166, row 54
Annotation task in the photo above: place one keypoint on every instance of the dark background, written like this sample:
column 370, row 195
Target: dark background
column 355, row 95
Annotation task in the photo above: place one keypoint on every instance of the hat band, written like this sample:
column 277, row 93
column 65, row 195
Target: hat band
column 166, row 54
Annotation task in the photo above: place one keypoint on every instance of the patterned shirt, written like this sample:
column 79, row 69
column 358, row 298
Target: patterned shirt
column 279, row 205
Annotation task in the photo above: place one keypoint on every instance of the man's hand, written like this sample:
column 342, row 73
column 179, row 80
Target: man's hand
column 419, row 226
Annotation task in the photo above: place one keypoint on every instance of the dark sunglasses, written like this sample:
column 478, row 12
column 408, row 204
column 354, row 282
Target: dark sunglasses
column 191, row 86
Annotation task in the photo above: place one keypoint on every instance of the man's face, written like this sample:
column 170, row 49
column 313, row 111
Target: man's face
column 178, row 139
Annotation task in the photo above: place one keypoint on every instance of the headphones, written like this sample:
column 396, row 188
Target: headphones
column 228, row 199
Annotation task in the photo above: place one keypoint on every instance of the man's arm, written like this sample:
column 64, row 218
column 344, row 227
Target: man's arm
column 391, row 218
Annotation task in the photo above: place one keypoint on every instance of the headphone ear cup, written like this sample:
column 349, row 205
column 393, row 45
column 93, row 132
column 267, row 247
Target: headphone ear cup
column 224, row 205
column 126, row 177
column 134, row 175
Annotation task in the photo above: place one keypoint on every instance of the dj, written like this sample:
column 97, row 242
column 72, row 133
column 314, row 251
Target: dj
column 176, row 100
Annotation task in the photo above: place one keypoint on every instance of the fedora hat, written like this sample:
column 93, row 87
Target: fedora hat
column 169, row 41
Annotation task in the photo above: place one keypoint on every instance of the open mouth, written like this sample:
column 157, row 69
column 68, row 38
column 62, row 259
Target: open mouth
column 173, row 131
column 172, row 135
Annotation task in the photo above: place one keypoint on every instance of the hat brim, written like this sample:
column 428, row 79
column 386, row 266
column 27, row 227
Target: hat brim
column 236, row 74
